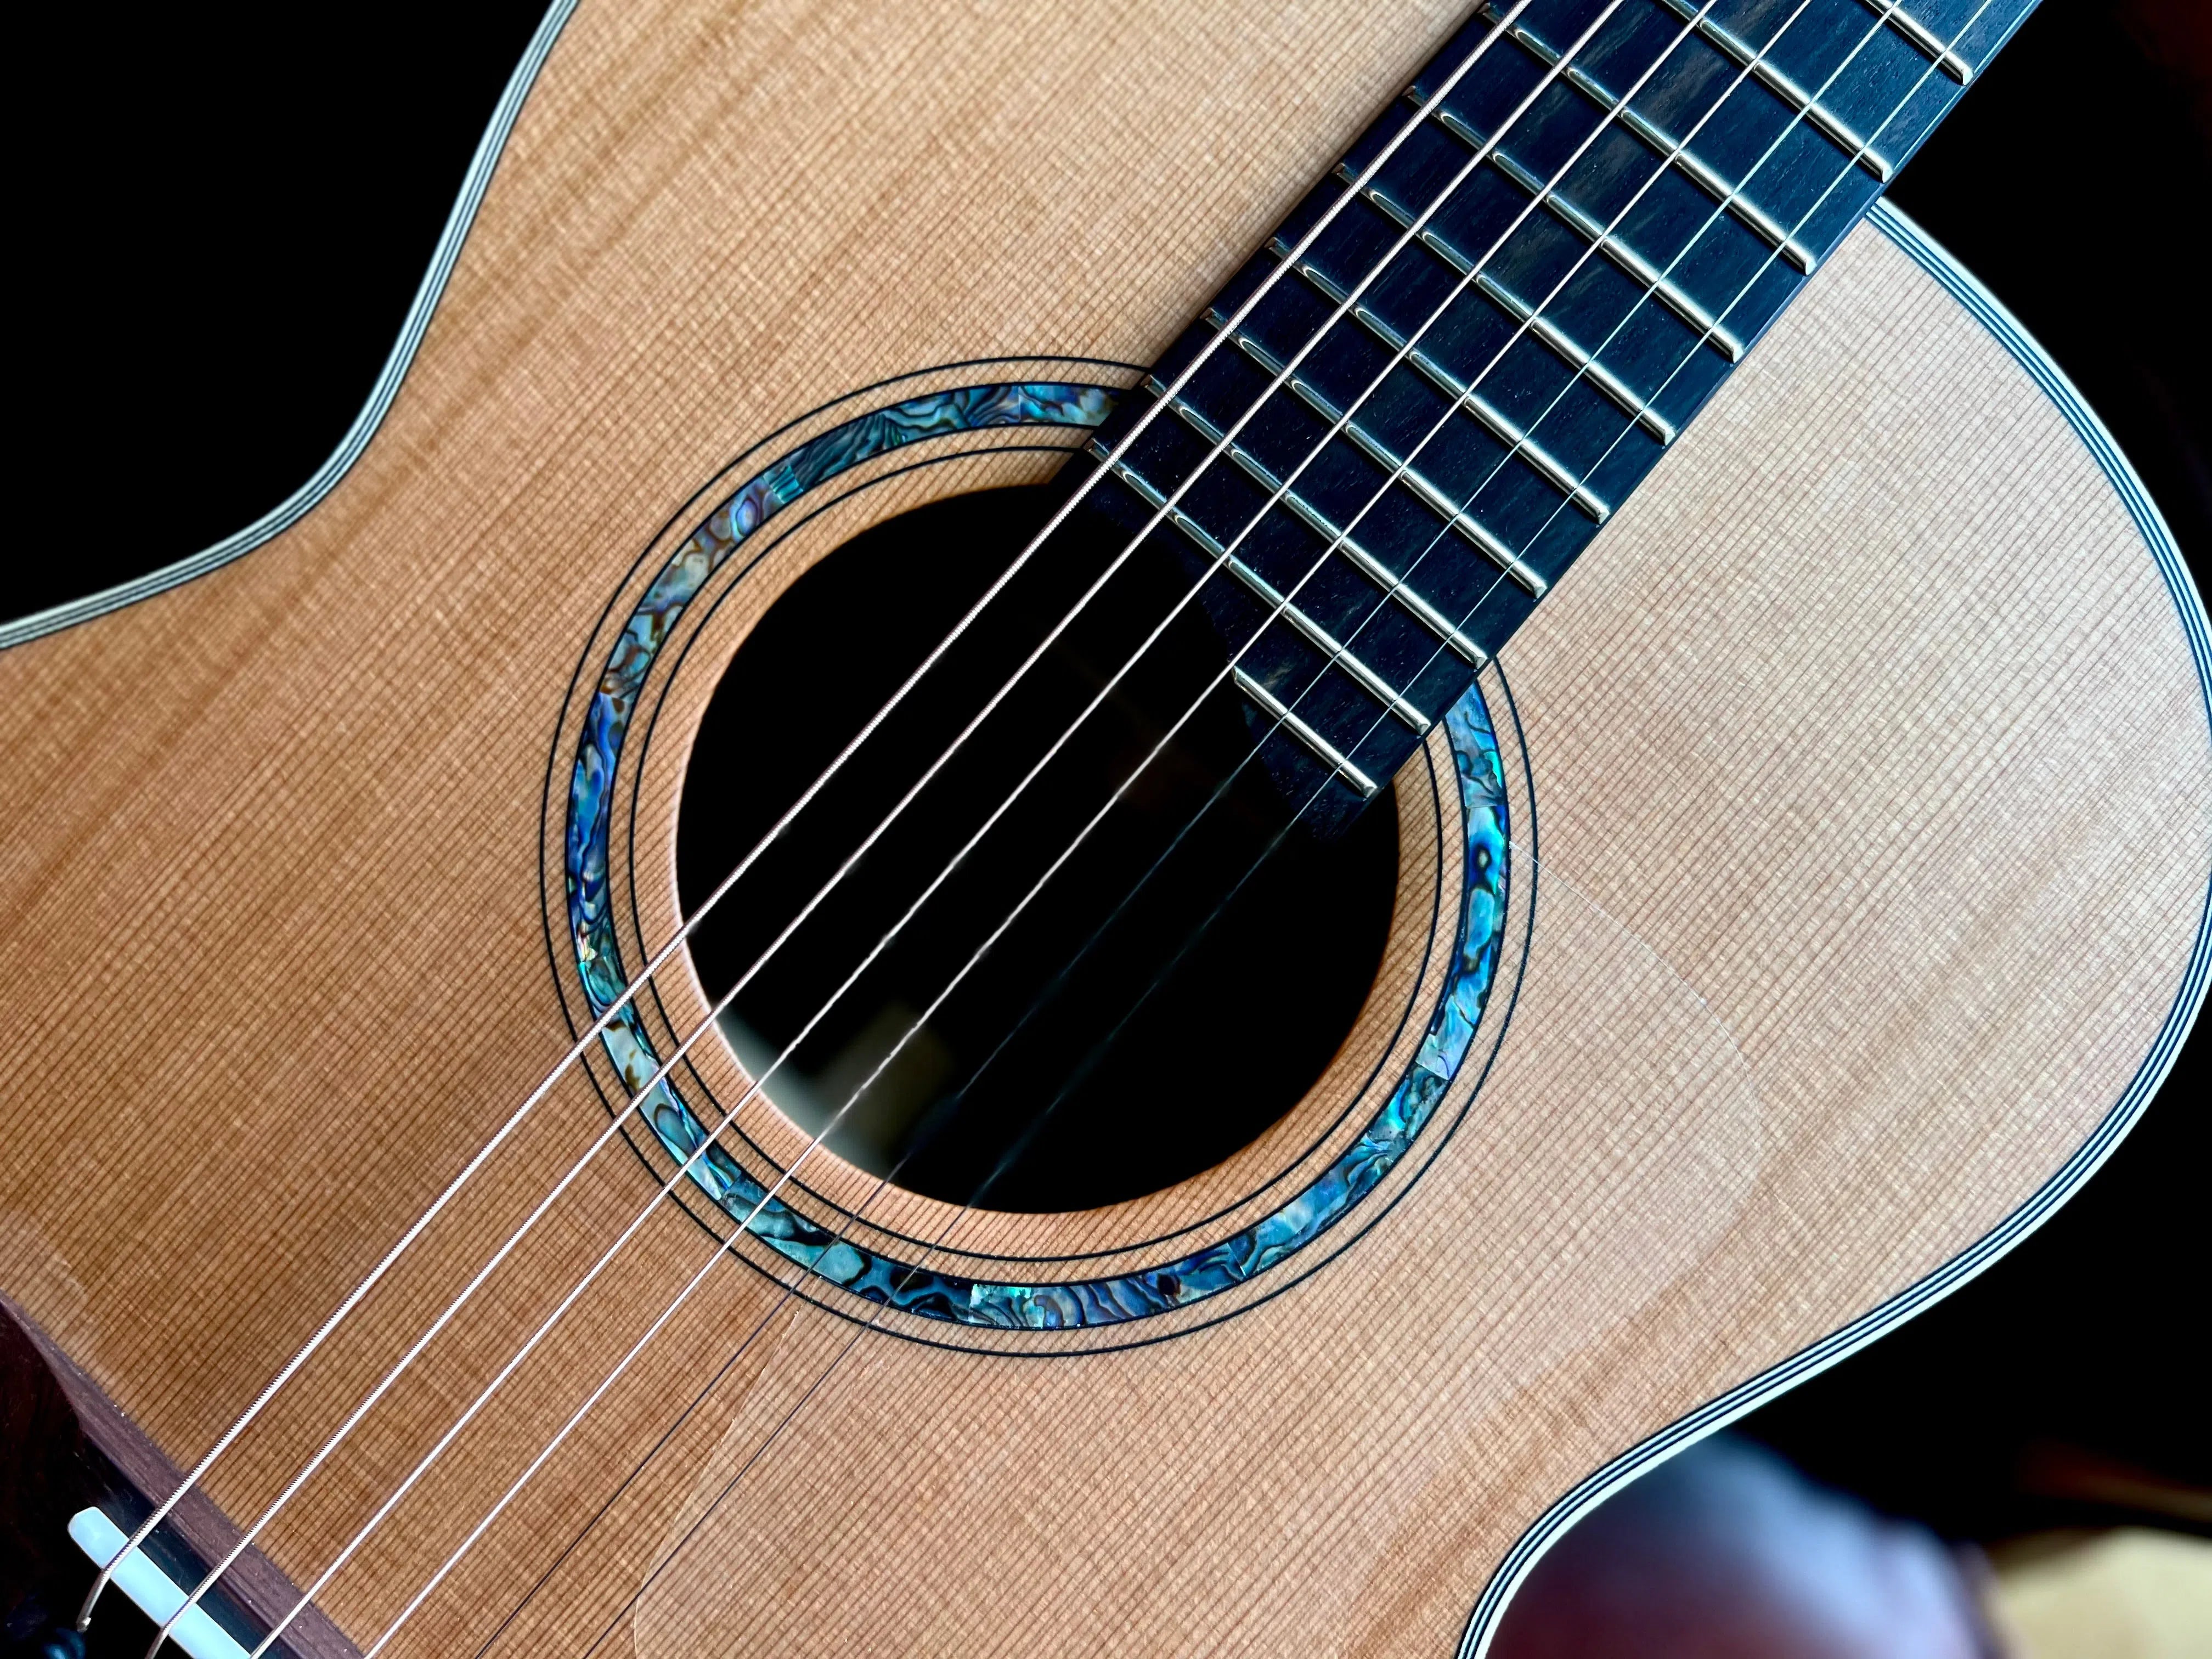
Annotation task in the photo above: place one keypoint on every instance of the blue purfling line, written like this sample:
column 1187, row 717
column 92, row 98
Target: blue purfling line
column 882, row 1279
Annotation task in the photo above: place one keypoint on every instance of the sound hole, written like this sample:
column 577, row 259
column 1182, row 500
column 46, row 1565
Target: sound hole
column 1168, row 992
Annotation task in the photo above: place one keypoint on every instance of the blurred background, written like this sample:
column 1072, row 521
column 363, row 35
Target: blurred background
column 218, row 237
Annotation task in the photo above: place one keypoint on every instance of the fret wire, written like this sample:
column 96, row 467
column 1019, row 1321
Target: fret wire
column 1290, row 721
column 1655, row 139
column 1923, row 40
column 1543, row 328
column 440, row 1576
column 1578, row 356
column 1435, row 499
column 1829, row 125
column 1691, row 354
column 1415, row 225
column 1260, row 587
column 192, row 1478
column 1336, row 540
column 1709, row 327
column 1455, row 516
column 874, row 1320
column 1500, row 425
column 1886, row 11
column 1364, row 562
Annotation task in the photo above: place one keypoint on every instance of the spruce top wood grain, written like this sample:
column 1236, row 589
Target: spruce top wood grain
column 1861, row 800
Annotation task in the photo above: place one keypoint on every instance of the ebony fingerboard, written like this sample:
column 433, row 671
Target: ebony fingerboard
column 1384, row 465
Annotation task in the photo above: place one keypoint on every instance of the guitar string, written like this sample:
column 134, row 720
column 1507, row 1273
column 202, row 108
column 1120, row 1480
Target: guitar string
column 1678, row 148
column 427, row 1588
column 788, row 1289
column 813, row 1389
column 689, row 924
column 684, row 1169
column 612, row 1249
column 353, row 1300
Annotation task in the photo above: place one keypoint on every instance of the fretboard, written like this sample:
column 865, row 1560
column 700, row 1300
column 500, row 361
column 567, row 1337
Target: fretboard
column 1470, row 343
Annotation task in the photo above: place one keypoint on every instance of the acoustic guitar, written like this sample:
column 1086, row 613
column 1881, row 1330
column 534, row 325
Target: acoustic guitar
column 1098, row 829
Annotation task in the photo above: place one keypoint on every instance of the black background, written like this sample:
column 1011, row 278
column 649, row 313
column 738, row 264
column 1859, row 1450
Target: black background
column 222, row 219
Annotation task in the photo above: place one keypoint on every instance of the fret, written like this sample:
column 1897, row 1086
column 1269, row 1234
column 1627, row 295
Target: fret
column 1339, row 540
column 1427, row 366
column 1339, row 654
column 1654, row 137
column 1709, row 201
column 1578, row 356
column 1500, row 426
column 1922, row 40
column 1323, row 749
column 1394, row 586
column 1711, row 330
column 1557, row 339
column 1470, row 528
column 1818, row 115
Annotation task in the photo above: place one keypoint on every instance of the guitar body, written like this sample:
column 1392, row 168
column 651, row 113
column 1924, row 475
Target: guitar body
column 1854, row 797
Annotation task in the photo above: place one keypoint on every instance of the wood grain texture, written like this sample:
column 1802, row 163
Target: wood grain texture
column 1872, row 822
column 63, row 1445
column 689, row 667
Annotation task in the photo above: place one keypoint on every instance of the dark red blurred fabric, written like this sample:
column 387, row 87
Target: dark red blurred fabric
column 1728, row 1552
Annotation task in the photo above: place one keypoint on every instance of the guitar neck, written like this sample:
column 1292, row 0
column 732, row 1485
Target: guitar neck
column 1445, row 371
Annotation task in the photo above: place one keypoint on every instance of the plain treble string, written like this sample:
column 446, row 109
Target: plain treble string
column 361, row 1291
column 661, row 959
column 813, row 1389
column 618, row 1368
column 568, row 1301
